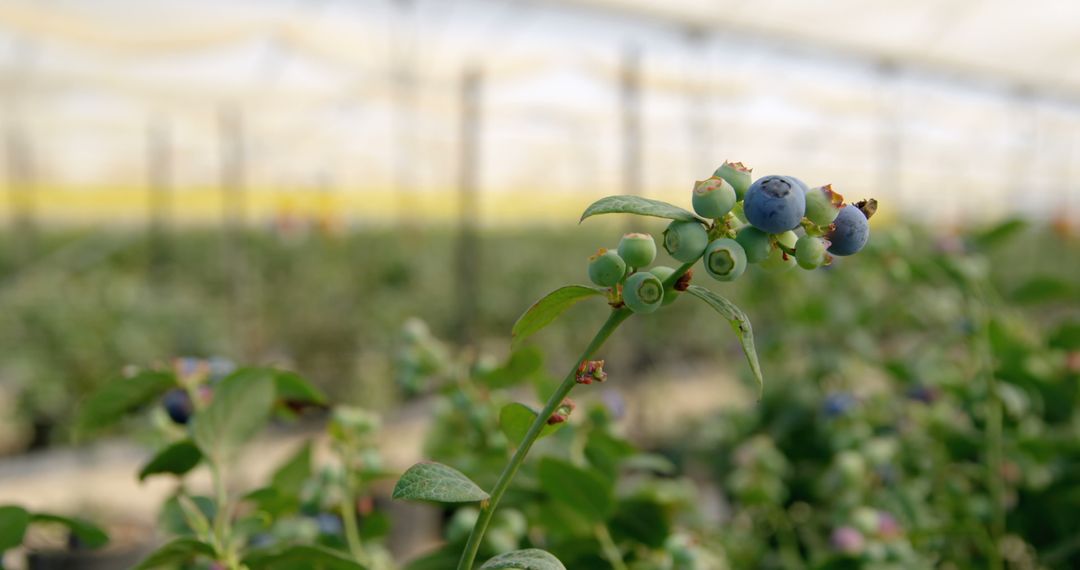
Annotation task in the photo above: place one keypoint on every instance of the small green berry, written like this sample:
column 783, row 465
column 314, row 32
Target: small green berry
column 662, row 272
column 637, row 250
column 778, row 261
column 822, row 205
column 685, row 240
column 810, row 252
column 736, row 174
column 643, row 292
column 788, row 238
column 755, row 243
column 725, row 259
column 606, row 268
column 713, row 198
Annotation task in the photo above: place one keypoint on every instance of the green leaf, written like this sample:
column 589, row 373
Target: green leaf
column 114, row 400
column 547, row 309
column 585, row 491
column 999, row 233
column 522, row 364
column 241, row 406
column 642, row 521
column 606, row 452
column 13, row 523
column 515, row 419
column 299, row 557
column 294, row 388
column 176, row 459
column 739, row 321
column 1043, row 289
column 175, row 553
column 637, row 205
column 290, row 477
column 89, row 534
column 530, row 559
column 438, row 483
column 1067, row 336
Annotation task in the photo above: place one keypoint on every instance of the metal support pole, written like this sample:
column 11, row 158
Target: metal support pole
column 630, row 89
column 159, row 191
column 234, row 214
column 19, row 158
column 468, row 254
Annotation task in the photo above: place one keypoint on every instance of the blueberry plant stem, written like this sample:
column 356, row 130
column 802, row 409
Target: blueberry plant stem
column 611, row 551
column 348, row 520
column 616, row 318
column 468, row 557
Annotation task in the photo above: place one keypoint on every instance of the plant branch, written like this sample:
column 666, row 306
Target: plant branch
column 468, row 557
column 611, row 551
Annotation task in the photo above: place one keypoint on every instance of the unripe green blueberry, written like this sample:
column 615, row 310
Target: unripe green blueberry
column 606, row 268
column 637, row 250
column 778, row 261
column 736, row 174
column 685, row 240
column 662, row 272
column 788, row 238
column 810, row 252
column 755, row 243
column 822, row 205
column 713, row 198
column 725, row 259
column 643, row 292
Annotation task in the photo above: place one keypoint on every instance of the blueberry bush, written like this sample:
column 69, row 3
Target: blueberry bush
column 774, row 205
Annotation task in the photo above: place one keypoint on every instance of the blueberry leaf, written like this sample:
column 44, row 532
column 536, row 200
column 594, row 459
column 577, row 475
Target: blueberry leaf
column 637, row 205
column 296, row 557
column 515, row 419
column 585, row 491
column 530, row 559
column 89, row 534
column 176, row 553
column 13, row 523
column 518, row 367
column 176, row 459
column 108, row 405
column 437, row 483
column 293, row 387
column 547, row 309
column 241, row 406
column 739, row 321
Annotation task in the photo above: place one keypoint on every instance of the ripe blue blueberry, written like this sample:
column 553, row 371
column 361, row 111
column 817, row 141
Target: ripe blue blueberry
column 775, row 204
column 837, row 404
column 606, row 268
column 178, row 405
column 637, row 250
column 822, row 205
column 713, row 198
column 643, row 292
column 663, row 272
column 754, row 242
column 725, row 259
column 736, row 174
column 810, row 252
column 850, row 232
column 685, row 240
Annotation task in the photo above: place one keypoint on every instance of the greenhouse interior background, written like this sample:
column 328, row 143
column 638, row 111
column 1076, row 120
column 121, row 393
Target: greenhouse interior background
column 369, row 193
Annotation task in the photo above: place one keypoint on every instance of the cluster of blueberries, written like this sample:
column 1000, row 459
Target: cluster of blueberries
column 743, row 222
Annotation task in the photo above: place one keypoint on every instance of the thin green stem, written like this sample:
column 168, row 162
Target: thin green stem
column 617, row 316
column 222, row 531
column 348, row 520
column 468, row 557
column 610, row 550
